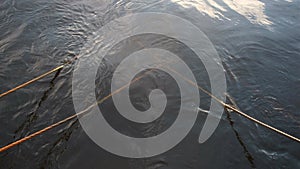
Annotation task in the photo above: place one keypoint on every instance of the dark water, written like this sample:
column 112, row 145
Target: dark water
column 258, row 42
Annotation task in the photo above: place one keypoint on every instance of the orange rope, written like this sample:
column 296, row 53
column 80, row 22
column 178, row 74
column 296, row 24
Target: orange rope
column 262, row 123
column 38, row 78
column 230, row 107
column 31, row 81
column 233, row 108
column 36, row 133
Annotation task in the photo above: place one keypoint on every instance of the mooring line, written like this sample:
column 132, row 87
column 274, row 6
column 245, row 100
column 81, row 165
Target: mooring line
column 15, row 143
column 225, row 105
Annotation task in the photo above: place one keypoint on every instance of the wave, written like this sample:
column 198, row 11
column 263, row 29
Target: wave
column 253, row 10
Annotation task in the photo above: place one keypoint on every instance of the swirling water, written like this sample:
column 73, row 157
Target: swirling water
column 258, row 42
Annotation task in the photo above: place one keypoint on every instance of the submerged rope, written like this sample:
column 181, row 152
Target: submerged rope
column 15, row 143
column 31, row 81
column 262, row 123
column 236, row 110
column 39, row 77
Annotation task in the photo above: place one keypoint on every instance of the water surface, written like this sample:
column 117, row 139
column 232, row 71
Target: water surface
column 258, row 42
